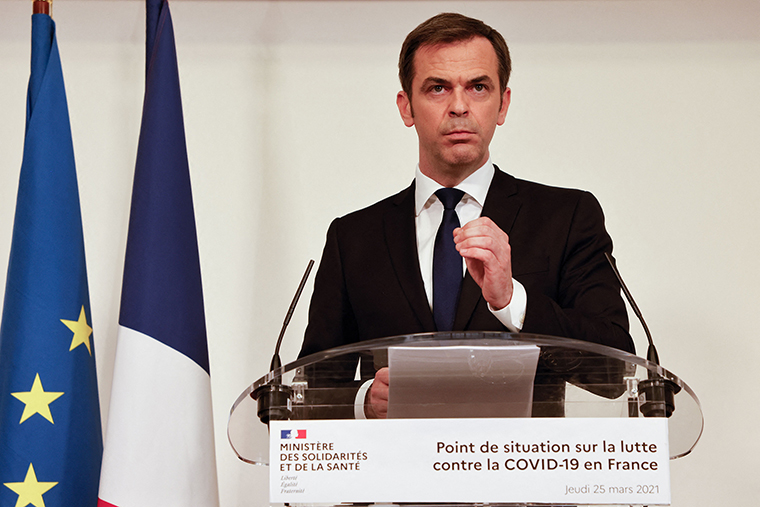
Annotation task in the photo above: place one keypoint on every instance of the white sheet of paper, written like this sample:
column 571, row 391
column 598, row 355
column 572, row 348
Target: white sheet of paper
column 461, row 381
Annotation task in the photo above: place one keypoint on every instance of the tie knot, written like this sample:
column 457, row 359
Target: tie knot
column 449, row 197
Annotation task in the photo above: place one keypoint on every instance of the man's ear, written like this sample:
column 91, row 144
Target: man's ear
column 506, row 99
column 405, row 108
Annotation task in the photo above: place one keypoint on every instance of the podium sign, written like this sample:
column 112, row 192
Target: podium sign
column 510, row 460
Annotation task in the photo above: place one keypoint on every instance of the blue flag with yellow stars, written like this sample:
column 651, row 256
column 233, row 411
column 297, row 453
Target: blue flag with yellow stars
column 50, row 433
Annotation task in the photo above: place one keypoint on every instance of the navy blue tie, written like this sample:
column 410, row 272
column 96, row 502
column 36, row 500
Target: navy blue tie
column 447, row 263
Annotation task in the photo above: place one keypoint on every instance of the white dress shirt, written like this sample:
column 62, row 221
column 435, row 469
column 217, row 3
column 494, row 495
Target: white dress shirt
column 428, row 213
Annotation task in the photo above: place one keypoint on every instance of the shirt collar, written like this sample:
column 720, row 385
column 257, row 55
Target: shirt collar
column 475, row 185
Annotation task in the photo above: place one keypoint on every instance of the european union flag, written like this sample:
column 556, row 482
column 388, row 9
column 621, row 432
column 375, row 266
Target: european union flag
column 50, row 434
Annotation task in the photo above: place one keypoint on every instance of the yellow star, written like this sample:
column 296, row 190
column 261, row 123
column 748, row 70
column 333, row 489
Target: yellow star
column 81, row 330
column 30, row 491
column 37, row 401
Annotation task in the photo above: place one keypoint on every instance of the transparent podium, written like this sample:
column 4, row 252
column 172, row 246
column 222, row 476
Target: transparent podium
column 568, row 379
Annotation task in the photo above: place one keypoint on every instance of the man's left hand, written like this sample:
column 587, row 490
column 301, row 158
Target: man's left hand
column 488, row 255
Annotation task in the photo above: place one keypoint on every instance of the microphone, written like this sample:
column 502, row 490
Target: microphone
column 274, row 399
column 656, row 392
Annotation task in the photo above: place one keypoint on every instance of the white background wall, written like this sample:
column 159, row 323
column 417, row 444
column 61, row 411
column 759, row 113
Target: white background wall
column 290, row 115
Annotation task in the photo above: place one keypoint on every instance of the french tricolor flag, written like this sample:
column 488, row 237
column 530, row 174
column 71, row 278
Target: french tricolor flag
column 288, row 434
column 159, row 444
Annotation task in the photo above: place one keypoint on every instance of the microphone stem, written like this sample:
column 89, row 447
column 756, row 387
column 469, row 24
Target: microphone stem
column 276, row 362
column 651, row 351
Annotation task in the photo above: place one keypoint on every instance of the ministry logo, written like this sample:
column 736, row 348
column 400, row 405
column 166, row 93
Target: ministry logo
column 291, row 434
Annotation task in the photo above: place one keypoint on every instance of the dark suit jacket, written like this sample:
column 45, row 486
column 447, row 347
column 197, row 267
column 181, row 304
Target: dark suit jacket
column 369, row 285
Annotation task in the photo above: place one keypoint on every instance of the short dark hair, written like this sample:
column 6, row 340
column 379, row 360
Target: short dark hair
column 446, row 28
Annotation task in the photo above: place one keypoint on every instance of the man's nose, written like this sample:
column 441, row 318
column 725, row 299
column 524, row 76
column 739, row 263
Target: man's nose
column 458, row 105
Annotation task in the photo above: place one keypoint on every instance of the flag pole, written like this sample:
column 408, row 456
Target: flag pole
column 42, row 6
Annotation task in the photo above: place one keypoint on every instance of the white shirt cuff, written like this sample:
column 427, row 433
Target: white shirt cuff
column 513, row 315
column 361, row 395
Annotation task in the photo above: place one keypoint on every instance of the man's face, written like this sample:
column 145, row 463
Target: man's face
column 455, row 107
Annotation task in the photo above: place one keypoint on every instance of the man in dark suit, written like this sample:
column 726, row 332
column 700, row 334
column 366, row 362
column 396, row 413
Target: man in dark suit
column 532, row 255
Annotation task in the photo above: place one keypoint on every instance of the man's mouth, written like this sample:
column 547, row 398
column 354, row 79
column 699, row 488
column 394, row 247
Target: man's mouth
column 459, row 135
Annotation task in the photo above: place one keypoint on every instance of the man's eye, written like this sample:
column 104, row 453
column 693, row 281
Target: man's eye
column 437, row 88
column 479, row 87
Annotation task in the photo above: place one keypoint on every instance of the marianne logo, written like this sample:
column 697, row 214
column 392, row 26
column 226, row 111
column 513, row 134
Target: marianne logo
column 288, row 434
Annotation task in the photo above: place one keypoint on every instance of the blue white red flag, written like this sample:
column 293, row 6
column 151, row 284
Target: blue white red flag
column 288, row 434
column 159, row 448
column 50, row 435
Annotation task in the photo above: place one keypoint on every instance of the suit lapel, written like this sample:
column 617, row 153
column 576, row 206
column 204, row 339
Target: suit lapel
column 401, row 238
column 501, row 206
